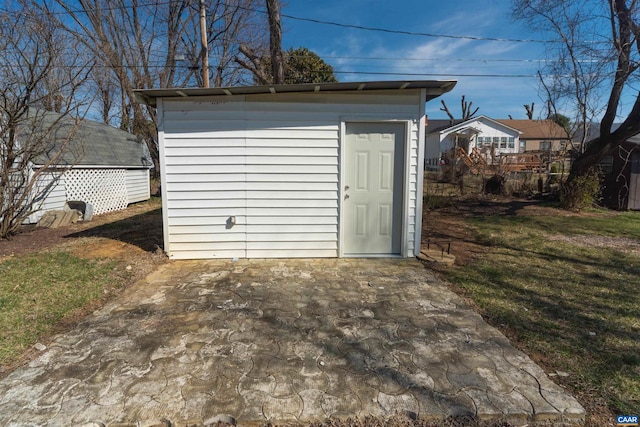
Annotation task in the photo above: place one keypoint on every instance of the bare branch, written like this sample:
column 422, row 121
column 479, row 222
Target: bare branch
column 529, row 109
column 446, row 110
column 41, row 71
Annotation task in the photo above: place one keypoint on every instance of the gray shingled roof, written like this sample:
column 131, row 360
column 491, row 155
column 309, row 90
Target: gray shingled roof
column 437, row 125
column 593, row 131
column 92, row 143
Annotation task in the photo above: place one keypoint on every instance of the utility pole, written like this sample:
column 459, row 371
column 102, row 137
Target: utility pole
column 204, row 44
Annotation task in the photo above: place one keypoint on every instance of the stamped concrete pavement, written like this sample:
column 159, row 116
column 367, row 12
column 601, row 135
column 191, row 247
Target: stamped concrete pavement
column 282, row 340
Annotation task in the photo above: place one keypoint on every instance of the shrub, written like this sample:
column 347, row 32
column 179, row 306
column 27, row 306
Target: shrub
column 580, row 192
column 522, row 184
column 555, row 168
column 495, row 185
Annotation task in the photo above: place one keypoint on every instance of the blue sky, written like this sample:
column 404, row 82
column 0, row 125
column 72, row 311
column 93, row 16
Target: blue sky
column 438, row 58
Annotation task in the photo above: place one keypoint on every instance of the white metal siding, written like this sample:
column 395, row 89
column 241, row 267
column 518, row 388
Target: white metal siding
column 270, row 161
column 138, row 185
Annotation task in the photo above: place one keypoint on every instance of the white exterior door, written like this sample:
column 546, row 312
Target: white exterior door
column 373, row 188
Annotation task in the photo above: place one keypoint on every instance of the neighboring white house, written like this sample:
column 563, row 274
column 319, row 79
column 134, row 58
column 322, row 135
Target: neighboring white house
column 485, row 134
column 305, row 170
column 102, row 166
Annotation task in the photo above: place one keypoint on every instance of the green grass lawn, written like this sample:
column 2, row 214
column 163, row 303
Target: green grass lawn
column 46, row 291
column 38, row 291
column 573, row 305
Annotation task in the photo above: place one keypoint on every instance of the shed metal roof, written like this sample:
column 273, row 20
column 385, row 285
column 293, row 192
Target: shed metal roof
column 434, row 89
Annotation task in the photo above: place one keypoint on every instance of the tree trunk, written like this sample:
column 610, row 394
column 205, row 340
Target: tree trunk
column 599, row 147
column 275, row 41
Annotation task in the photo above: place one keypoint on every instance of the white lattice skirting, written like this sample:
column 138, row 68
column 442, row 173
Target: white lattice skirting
column 105, row 189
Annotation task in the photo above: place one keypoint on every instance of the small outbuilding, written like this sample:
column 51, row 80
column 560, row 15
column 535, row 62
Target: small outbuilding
column 101, row 166
column 620, row 171
column 305, row 170
column 621, row 176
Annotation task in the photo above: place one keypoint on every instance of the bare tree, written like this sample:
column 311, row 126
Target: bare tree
column 529, row 109
column 39, row 69
column 230, row 25
column 255, row 62
column 266, row 67
column 106, row 88
column 124, row 36
column 466, row 107
column 598, row 46
column 445, row 108
column 143, row 44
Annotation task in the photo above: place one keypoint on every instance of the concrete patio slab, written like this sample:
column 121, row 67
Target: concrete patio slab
column 282, row 340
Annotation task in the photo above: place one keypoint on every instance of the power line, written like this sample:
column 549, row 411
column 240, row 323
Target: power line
column 373, row 58
column 315, row 21
column 450, row 75
column 415, row 33
column 403, row 32
column 344, row 72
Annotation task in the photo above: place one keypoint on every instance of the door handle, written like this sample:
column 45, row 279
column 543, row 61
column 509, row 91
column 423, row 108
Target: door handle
column 346, row 187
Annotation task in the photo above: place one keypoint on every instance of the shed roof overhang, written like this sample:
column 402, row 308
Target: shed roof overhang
column 434, row 88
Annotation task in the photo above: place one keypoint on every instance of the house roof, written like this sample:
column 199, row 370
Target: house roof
column 593, row 131
column 438, row 125
column 537, row 129
column 90, row 143
column 434, row 88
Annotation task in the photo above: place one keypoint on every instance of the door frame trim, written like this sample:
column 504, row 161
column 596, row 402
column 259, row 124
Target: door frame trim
column 406, row 174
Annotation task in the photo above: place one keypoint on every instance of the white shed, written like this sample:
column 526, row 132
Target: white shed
column 307, row 170
column 101, row 165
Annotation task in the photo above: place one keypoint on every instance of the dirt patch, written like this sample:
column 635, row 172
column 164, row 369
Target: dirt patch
column 104, row 248
column 140, row 225
column 132, row 237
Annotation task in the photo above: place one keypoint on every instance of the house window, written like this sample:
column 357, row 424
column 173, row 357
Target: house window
column 496, row 141
column 503, row 142
column 545, row 145
column 512, row 142
column 563, row 146
column 523, row 145
column 480, row 141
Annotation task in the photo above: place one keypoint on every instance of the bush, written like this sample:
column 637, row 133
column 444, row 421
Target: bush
column 580, row 192
column 495, row 185
column 555, row 168
column 522, row 184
